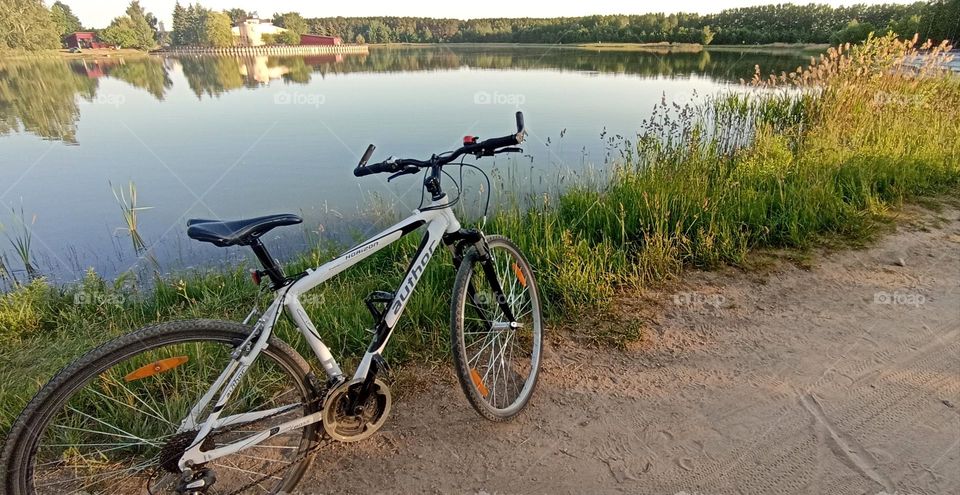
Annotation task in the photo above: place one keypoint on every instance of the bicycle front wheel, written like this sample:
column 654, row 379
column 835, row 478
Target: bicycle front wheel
column 497, row 358
column 109, row 422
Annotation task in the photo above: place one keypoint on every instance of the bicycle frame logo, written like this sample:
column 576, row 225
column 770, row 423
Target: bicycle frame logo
column 415, row 272
column 361, row 250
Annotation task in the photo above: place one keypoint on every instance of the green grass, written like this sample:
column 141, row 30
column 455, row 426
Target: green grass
column 809, row 158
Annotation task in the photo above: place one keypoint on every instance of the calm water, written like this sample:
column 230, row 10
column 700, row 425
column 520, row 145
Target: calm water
column 230, row 138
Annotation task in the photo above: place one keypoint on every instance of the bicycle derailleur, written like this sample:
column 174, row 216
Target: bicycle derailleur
column 196, row 482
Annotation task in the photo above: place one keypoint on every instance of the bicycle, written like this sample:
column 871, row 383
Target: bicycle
column 187, row 406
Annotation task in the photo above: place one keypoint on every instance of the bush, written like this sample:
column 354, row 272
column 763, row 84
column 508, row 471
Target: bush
column 24, row 310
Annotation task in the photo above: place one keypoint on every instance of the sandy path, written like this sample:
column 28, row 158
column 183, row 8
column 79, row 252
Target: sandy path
column 844, row 378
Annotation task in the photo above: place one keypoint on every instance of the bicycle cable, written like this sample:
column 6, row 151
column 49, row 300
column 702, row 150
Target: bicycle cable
column 459, row 186
column 486, row 206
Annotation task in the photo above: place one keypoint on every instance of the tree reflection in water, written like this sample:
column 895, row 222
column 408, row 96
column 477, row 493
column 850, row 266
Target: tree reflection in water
column 41, row 96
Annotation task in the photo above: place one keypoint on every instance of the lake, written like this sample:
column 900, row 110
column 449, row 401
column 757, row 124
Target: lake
column 220, row 137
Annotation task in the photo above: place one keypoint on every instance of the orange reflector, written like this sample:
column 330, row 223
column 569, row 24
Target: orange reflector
column 478, row 382
column 155, row 367
column 520, row 277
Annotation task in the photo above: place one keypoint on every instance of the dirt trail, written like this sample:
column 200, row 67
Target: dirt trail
column 844, row 378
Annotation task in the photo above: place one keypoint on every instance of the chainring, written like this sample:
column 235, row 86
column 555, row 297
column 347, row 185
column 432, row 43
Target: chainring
column 344, row 425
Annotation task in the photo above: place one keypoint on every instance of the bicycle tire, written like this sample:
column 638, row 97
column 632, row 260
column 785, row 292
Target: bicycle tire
column 476, row 392
column 17, row 459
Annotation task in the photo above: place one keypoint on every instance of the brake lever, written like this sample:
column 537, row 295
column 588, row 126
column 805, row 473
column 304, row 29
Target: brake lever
column 407, row 170
column 509, row 150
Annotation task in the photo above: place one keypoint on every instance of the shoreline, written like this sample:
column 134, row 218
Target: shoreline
column 618, row 46
column 64, row 54
column 659, row 47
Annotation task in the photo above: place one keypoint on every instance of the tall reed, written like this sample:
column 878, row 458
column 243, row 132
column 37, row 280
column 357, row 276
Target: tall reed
column 129, row 208
column 21, row 239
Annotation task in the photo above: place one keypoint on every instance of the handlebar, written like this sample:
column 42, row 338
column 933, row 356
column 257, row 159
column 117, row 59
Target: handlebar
column 487, row 147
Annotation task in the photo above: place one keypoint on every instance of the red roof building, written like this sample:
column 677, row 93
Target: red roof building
column 84, row 39
column 316, row 39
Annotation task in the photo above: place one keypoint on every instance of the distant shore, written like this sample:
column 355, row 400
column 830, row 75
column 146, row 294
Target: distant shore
column 90, row 54
column 592, row 46
column 651, row 47
column 661, row 47
column 98, row 53
column 773, row 47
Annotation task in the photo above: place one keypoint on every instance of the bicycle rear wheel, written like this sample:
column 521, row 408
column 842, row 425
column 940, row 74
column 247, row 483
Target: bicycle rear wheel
column 108, row 422
column 497, row 360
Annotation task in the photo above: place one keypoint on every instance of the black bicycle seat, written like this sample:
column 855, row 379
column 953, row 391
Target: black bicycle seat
column 237, row 232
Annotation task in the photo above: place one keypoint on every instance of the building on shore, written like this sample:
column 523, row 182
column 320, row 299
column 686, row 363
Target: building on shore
column 317, row 39
column 84, row 40
column 251, row 31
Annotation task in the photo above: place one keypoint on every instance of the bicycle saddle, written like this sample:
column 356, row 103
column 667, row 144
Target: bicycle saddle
column 237, row 232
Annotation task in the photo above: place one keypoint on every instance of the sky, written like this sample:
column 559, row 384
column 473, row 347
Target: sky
column 98, row 13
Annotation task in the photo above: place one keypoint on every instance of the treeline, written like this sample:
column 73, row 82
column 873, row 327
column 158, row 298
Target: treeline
column 30, row 25
column 200, row 26
column 137, row 29
column 783, row 23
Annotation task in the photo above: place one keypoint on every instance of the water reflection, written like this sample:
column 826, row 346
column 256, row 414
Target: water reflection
column 41, row 96
column 147, row 73
column 212, row 76
column 726, row 66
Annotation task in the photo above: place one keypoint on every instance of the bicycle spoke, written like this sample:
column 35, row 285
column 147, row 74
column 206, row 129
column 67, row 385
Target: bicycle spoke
column 155, row 416
column 97, row 432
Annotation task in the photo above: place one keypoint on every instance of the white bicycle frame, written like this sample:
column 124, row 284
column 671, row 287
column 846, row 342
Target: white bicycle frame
column 439, row 220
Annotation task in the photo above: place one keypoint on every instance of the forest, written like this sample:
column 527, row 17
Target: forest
column 781, row 23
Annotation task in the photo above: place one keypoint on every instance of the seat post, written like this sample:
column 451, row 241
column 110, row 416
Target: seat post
column 269, row 264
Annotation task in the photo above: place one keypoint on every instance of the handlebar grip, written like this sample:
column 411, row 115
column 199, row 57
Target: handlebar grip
column 520, row 126
column 376, row 168
column 362, row 171
column 366, row 156
column 500, row 142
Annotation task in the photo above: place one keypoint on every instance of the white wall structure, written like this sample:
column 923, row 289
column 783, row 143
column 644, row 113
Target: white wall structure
column 250, row 32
